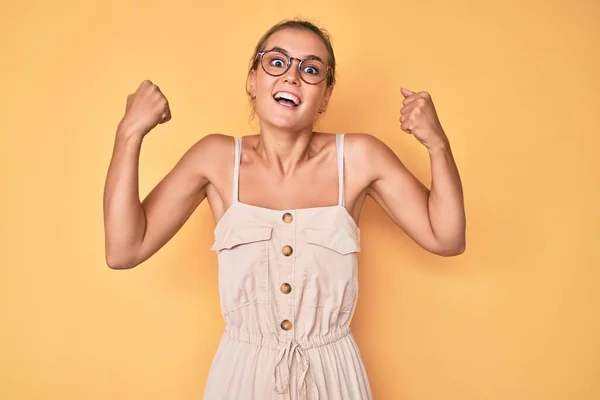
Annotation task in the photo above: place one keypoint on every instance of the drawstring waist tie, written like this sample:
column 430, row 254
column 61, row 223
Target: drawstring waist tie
column 287, row 352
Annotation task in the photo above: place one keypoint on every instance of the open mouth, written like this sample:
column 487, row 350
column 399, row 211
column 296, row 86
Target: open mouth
column 287, row 99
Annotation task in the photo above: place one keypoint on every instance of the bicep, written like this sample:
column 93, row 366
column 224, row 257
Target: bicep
column 172, row 201
column 401, row 196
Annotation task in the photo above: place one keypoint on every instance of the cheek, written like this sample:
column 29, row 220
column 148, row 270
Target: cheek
column 262, row 104
column 264, row 82
column 313, row 99
column 263, row 89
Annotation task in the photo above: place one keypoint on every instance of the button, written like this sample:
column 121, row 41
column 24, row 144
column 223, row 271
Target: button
column 286, row 325
column 287, row 250
column 288, row 218
column 285, row 288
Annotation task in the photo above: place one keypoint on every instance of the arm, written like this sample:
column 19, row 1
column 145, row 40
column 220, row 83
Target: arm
column 434, row 218
column 135, row 230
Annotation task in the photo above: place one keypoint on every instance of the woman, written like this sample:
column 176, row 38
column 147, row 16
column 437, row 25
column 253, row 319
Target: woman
column 286, row 204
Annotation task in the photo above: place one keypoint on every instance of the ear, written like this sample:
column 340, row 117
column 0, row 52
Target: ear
column 252, row 83
column 327, row 96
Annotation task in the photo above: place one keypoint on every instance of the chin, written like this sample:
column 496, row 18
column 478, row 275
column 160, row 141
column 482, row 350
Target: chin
column 285, row 123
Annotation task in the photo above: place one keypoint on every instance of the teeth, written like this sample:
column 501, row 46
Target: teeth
column 288, row 96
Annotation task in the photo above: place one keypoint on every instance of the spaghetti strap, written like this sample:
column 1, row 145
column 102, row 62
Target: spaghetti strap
column 236, row 169
column 339, row 142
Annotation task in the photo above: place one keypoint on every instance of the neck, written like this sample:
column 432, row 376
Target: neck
column 284, row 149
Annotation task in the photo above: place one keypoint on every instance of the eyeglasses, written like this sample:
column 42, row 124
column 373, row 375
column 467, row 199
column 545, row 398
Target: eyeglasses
column 276, row 63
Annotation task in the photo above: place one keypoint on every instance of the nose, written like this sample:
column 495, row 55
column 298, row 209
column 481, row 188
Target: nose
column 291, row 75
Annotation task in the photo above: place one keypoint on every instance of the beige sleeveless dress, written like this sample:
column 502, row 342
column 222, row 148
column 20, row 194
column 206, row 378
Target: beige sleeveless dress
column 288, row 290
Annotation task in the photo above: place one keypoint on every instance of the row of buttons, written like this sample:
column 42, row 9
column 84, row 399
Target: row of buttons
column 286, row 288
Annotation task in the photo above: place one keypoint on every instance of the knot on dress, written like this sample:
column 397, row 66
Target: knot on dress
column 283, row 368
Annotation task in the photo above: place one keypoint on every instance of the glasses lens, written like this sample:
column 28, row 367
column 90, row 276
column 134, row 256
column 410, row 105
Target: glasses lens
column 313, row 71
column 274, row 63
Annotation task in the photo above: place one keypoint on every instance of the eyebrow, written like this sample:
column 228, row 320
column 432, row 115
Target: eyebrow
column 308, row 57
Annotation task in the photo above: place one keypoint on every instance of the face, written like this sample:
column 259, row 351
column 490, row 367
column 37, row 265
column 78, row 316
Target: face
column 284, row 114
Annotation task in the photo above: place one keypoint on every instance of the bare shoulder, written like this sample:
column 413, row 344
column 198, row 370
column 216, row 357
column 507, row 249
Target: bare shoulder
column 209, row 152
column 370, row 155
column 361, row 150
column 363, row 144
column 213, row 144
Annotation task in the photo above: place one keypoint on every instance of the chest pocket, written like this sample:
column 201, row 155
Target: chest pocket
column 331, row 267
column 243, row 253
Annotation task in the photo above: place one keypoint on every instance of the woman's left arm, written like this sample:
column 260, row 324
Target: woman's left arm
column 434, row 218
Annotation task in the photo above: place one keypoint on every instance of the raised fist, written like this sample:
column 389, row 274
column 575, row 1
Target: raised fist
column 146, row 108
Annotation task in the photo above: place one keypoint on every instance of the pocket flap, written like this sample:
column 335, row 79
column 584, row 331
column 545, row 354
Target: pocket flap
column 237, row 235
column 337, row 238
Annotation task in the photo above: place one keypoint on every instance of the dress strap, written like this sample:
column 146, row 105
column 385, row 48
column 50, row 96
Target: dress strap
column 339, row 144
column 236, row 169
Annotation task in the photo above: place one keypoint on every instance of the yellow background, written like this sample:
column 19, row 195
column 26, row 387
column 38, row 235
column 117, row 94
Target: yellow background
column 516, row 87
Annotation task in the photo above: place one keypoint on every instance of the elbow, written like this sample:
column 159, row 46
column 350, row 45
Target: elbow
column 456, row 251
column 114, row 262
column 451, row 250
column 117, row 264
column 120, row 255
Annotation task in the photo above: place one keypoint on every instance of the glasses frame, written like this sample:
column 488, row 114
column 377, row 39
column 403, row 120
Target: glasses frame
column 260, row 54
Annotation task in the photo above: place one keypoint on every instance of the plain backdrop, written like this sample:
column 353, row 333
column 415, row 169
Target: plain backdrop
column 516, row 86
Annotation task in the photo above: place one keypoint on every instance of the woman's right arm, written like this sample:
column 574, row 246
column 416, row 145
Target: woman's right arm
column 136, row 230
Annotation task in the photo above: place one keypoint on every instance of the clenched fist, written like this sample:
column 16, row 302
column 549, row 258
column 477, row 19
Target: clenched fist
column 419, row 118
column 146, row 108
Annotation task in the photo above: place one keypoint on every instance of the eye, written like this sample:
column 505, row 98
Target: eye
column 311, row 70
column 277, row 62
column 312, row 67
